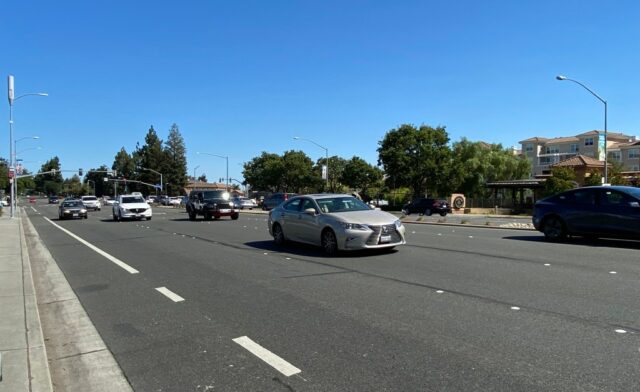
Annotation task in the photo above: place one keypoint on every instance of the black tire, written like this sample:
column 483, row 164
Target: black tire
column 329, row 243
column 149, row 218
column 428, row 212
column 443, row 213
column 554, row 229
column 207, row 216
column 235, row 216
column 192, row 215
column 115, row 218
column 278, row 235
column 86, row 216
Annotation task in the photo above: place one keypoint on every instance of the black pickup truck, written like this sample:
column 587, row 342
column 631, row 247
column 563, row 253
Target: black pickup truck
column 211, row 204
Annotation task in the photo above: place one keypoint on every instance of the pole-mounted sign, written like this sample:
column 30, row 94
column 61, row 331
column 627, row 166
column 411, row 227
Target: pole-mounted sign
column 10, row 89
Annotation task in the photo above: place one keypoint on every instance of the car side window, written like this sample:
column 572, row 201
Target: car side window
column 293, row 205
column 612, row 198
column 308, row 203
column 584, row 198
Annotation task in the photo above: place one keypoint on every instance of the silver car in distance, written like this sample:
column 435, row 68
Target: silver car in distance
column 335, row 222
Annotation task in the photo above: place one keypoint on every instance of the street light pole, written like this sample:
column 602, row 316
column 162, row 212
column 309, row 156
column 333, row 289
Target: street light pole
column 151, row 170
column 223, row 157
column 14, row 184
column 326, row 152
column 12, row 164
column 194, row 172
column 606, row 158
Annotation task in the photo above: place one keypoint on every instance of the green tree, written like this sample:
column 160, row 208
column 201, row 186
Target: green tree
column 94, row 182
column 124, row 165
column 264, row 172
column 73, row 187
column 595, row 178
column 202, row 178
column 562, row 179
column 418, row 158
column 361, row 176
column 26, row 184
column 4, row 176
column 336, row 168
column 297, row 173
column 50, row 184
column 615, row 174
column 175, row 163
column 476, row 163
column 151, row 156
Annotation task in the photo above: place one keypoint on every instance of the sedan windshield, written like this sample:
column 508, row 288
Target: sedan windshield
column 341, row 204
column 132, row 199
column 72, row 204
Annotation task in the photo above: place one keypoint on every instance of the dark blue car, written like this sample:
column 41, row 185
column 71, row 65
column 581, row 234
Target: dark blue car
column 591, row 212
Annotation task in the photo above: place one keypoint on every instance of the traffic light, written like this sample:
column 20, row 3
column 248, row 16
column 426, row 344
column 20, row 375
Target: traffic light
column 80, row 172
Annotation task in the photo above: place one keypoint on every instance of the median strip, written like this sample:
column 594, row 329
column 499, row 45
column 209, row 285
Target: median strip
column 267, row 356
column 114, row 260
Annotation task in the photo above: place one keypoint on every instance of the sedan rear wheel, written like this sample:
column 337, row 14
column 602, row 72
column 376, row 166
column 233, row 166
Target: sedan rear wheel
column 427, row 212
column 329, row 243
column 278, row 235
column 553, row 229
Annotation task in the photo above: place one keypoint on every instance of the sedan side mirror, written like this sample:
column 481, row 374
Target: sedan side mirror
column 310, row 211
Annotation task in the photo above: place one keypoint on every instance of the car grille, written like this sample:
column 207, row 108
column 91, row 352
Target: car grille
column 223, row 206
column 374, row 238
column 137, row 210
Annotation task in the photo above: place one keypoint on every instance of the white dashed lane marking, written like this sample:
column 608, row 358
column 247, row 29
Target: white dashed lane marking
column 113, row 259
column 267, row 356
column 169, row 294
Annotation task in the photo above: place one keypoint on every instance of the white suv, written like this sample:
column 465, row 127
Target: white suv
column 131, row 207
column 91, row 203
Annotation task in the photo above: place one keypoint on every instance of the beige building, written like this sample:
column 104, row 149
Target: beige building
column 544, row 153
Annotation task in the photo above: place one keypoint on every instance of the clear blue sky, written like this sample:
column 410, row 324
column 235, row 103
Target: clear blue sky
column 242, row 77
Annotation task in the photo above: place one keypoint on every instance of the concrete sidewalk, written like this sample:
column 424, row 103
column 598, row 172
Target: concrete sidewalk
column 23, row 361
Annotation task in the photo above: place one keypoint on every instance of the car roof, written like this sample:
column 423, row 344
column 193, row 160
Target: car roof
column 325, row 195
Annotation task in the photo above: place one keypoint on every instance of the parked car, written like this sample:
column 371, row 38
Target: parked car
column 53, row 200
column 272, row 201
column 175, row 201
column 72, row 208
column 427, row 207
column 592, row 212
column 91, row 202
column 335, row 222
column 243, row 202
column 131, row 207
column 210, row 204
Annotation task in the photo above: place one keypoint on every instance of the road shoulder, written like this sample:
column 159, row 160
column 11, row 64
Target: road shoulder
column 78, row 357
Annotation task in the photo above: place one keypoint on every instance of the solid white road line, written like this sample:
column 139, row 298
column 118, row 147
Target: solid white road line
column 116, row 261
column 267, row 356
column 170, row 294
column 34, row 210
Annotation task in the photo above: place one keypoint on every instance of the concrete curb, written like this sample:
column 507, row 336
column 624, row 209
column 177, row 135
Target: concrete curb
column 38, row 362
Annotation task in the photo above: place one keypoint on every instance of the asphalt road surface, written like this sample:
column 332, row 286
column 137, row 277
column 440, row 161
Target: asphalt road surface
column 215, row 306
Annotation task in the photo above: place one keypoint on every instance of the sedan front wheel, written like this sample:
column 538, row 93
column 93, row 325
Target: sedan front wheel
column 278, row 235
column 329, row 243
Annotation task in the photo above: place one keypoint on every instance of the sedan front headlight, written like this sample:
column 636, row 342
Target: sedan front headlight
column 82, row 211
column 354, row 226
column 66, row 211
column 398, row 224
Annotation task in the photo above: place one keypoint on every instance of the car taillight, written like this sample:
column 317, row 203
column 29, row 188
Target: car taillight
column 286, row 197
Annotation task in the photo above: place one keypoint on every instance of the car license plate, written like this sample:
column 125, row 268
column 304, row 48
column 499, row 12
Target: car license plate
column 225, row 210
column 385, row 238
column 75, row 214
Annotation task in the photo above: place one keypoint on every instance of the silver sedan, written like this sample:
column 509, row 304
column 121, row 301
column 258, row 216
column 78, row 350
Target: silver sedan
column 335, row 222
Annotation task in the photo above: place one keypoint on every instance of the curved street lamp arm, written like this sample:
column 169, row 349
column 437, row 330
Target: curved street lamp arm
column 587, row 88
